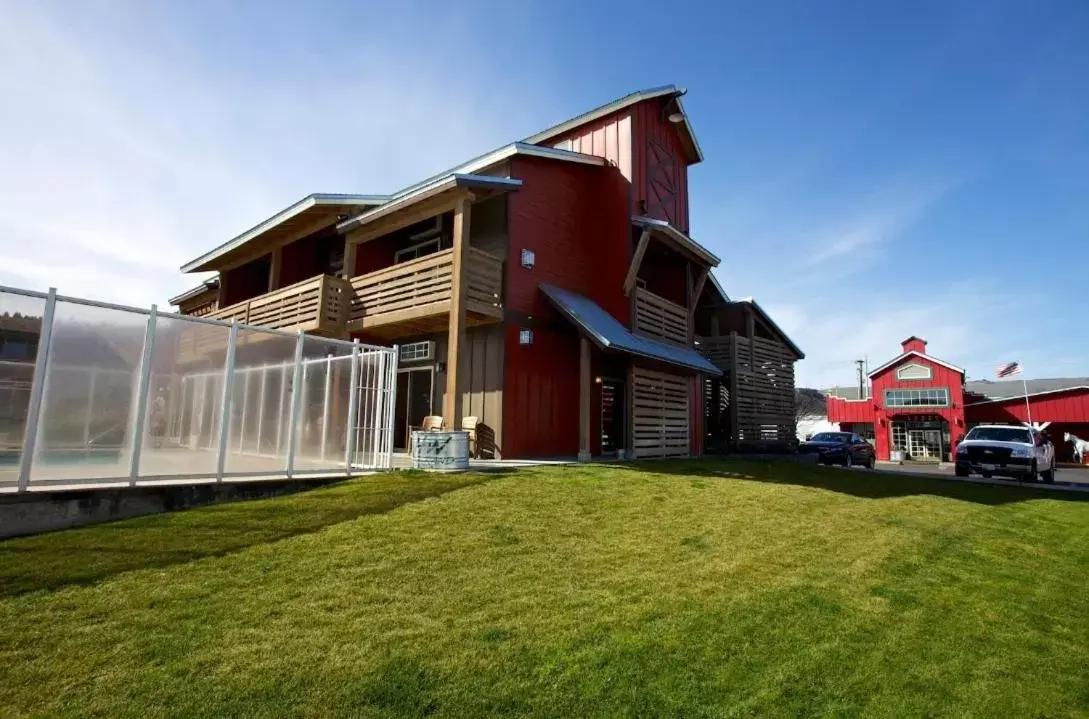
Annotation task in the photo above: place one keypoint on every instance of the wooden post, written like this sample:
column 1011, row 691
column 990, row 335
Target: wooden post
column 585, row 389
column 348, row 270
column 734, row 430
column 636, row 261
column 221, row 293
column 451, row 409
column 276, row 263
column 695, row 288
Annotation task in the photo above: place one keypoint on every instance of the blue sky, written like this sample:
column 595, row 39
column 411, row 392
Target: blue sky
column 873, row 170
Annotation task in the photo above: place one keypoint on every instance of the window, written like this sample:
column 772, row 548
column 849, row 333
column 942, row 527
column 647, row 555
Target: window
column 416, row 251
column 999, row 434
column 913, row 371
column 17, row 349
column 417, row 351
column 937, row 397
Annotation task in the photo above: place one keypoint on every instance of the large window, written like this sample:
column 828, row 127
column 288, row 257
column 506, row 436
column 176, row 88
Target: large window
column 937, row 397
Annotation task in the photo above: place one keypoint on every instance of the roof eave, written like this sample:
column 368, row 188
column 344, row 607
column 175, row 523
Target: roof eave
column 905, row 355
column 763, row 313
column 312, row 200
column 679, row 237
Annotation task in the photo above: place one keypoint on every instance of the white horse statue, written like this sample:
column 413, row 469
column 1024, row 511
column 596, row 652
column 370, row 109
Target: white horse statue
column 1081, row 447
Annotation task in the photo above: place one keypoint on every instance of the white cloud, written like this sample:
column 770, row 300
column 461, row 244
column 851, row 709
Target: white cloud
column 127, row 151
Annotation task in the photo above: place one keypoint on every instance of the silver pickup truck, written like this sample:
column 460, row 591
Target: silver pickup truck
column 1007, row 451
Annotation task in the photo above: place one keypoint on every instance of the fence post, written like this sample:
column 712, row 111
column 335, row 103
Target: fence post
column 326, row 397
column 391, row 413
column 225, row 407
column 140, row 418
column 296, row 400
column 353, row 408
column 37, row 391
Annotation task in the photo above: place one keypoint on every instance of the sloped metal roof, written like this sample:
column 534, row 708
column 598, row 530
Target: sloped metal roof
column 608, row 333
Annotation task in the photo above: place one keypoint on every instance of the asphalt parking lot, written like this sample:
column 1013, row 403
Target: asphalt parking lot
column 1076, row 476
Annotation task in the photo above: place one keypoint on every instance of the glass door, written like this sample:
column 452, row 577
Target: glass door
column 414, row 392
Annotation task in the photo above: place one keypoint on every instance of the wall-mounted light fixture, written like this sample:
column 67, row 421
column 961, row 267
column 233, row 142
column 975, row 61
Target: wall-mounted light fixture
column 529, row 258
column 525, row 336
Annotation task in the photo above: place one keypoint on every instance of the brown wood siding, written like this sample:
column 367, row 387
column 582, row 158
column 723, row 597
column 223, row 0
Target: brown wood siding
column 482, row 373
column 660, row 413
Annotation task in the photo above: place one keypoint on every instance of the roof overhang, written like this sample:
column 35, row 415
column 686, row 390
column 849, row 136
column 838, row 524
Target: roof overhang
column 770, row 323
column 607, row 333
column 688, row 136
column 672, row 236
column 209, row 285
column 913, row 353
column 427, row 201
column 285, row 226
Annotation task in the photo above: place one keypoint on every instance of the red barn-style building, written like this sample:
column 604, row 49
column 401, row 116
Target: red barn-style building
column 921, row 406
column 546, row 294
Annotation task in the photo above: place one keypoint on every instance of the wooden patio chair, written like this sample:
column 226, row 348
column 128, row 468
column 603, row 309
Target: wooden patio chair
column 431, row 423
column 468, row 424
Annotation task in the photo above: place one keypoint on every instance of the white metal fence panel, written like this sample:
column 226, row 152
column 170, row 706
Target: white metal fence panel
column 101, row 395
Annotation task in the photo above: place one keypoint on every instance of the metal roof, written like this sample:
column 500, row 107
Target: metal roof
column 678, row 237
column 767, row 318
column 209, row 284
column 620, row 104
column 314, row 200
column 441, row 184
column 608, row 333
column 1015, row 389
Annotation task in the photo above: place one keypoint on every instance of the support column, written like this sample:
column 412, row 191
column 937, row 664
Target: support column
column 451, row 407
column 274, row 268
column 585, row 390
column 735, row 432
column 348, row 269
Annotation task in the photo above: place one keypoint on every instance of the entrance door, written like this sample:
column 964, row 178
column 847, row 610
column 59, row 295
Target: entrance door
column 414, row 390
column 917, row 444
column 612, row 416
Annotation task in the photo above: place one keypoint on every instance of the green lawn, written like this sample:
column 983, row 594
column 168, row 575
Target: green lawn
column 683, row 589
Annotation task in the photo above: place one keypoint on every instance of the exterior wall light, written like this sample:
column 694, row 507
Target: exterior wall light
column 525, row 336
column 528, row 259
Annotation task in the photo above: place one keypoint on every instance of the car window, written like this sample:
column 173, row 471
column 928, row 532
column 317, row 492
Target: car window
column 999, row 434
column 831, row 437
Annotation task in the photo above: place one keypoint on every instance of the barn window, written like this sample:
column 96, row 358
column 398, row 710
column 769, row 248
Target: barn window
column 914, row 371
column 936, row 397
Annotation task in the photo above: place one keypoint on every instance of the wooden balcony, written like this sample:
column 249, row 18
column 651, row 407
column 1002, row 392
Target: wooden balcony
column 659, row 318
column 414, row 297
column 315, row 305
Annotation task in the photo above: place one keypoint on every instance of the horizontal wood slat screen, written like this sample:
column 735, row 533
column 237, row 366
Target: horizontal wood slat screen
column 422, row 287
column 660, row 414
column 658, row 317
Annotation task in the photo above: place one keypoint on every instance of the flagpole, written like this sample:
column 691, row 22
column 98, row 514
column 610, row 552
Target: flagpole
column 1028, row 407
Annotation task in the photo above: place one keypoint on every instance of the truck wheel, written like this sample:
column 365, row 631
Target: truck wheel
column 1049, row 475
column 872, row 462
column 987, row 475
column 961, row 471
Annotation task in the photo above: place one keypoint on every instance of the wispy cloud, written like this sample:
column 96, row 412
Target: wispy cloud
column 127, row 153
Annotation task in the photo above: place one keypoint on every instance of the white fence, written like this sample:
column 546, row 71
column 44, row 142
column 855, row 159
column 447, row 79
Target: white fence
column 105, row 395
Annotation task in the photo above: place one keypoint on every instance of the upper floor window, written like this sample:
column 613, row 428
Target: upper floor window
column 914, row 371
column 935, row 397
column 416, row 251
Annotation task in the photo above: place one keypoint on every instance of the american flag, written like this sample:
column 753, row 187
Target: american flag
column 1007, row 369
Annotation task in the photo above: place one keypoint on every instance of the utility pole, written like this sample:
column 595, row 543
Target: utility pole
column 861, row 378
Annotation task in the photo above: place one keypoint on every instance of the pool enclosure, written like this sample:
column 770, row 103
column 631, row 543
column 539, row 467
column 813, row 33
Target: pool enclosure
column 105, row 395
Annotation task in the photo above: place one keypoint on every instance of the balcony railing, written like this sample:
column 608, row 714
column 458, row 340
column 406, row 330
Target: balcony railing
column 419, row 291
column 313, row 305
column 658, row 317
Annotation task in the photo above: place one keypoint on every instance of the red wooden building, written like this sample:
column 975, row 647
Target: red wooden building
column 921, row 406
column 548, row 289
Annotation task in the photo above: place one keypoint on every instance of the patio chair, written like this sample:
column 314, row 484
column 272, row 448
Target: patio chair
column 468, row 424
column 431, row 423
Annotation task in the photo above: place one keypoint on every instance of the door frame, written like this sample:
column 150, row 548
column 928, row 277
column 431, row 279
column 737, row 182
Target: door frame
column 430, row 369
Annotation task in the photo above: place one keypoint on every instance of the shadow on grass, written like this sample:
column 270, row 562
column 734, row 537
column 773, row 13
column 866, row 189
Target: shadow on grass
column 855, row 482
column 89, row 554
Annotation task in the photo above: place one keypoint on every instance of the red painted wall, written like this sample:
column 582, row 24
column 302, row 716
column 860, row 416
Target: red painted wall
column 575, row 220
column 941, row 377
column 652, row 137
column 541, row 394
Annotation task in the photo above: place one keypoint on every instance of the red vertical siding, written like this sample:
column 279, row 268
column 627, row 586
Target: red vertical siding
column 941, row 377
column 652, row 137
column 608, row 137
column 575, row 220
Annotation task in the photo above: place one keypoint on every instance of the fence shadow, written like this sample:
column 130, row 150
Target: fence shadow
column 855, row 482
column 90, row 554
